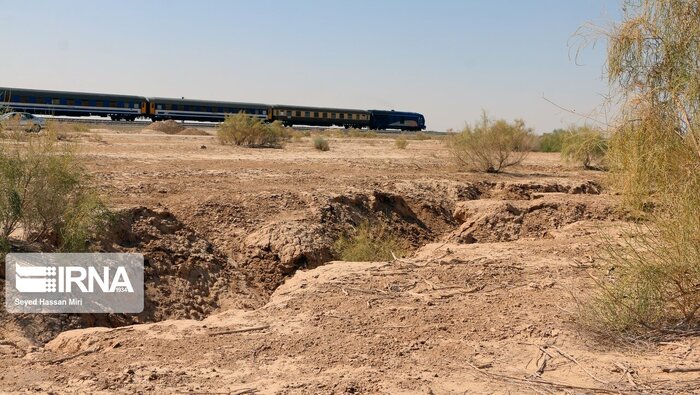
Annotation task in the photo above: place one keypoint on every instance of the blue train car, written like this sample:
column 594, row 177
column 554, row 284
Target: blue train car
column 201, row 110
column 383, row 120
column 77, row 104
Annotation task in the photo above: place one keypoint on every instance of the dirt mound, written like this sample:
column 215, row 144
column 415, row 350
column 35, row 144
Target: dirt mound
column 192, row 132
column 185, row 274
column 534, row 190
column 487, row 221
column 167, row 127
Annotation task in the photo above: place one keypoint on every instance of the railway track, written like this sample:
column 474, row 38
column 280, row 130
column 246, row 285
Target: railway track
column 145, row 122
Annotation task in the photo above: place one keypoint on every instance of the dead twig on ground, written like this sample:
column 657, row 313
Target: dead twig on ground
column 63, row 359
column 529, row 382
column 681, row 369
column 572, row 359
column 242, row 330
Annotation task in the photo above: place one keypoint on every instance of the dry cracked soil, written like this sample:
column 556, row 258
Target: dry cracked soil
column 243, row 295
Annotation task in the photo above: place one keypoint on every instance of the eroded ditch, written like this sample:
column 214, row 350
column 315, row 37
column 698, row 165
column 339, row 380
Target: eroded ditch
column 193, row 270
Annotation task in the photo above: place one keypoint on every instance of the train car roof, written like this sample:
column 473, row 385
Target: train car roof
column 173, row 100
column 394, row 112
column 66, row 93
column 326, row 109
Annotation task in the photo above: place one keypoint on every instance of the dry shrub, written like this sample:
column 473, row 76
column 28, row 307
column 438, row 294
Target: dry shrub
column 490, row 146
column 654, row 158
column 45, row 196
column 586, row 146
column 241, row 129
column 321, row 144
column 368, row 243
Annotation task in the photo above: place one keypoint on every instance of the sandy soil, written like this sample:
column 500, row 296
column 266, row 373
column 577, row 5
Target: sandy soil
column 244, row 298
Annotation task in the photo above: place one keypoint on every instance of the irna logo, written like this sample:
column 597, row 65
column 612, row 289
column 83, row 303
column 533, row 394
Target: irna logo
column 74, row 283
column 71, row 278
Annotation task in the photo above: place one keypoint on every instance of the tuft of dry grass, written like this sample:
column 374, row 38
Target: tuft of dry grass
column 368, row 243
column 401, row 142
column 321, row 144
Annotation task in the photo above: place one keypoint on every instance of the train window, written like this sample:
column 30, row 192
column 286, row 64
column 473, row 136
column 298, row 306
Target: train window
column 324, row 115
column 136, row 105
column 70, row 102
column 99, row 103
column 264, row 112
column 159, row 107
column 315, row 114
column 112, row 104
column 307, row 114
column 342, row 116
column 298, row 113
column 55, row 101
column 168, row 107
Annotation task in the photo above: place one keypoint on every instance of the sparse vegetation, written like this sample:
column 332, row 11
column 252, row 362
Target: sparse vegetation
column 584, row 145
column 368, row 243
column 654, row 156
column 66, row 131
column 321, row 144
column 401, row 142
column 490, row 145
column 44, row 196
column 420, row 136
column 241, row 129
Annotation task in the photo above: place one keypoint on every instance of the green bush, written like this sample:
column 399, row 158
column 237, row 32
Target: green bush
column 321, row 144
column 490, row 146
column 241, row 129
column 401, row 143
column 368, row 243
column 44, row 194
column 551, row 142
column 585, row 146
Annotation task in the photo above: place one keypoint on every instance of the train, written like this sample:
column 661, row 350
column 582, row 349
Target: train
column 130, row 108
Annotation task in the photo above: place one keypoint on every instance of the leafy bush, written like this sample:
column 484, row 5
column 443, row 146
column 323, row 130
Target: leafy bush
column 44, row 196
column 490, row 146
column 654, row 157
column 551, row 142
column 401, row 143
column 241, row 129
column 585, row 146
column 321, row 144
column 368, row 243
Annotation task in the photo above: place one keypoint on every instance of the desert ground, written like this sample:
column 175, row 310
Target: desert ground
column 243, row 294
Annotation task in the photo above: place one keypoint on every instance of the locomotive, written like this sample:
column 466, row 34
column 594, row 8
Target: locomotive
column 129, row 108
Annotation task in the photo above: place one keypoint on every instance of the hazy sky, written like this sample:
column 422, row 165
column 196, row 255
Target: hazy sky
column 445, row 59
